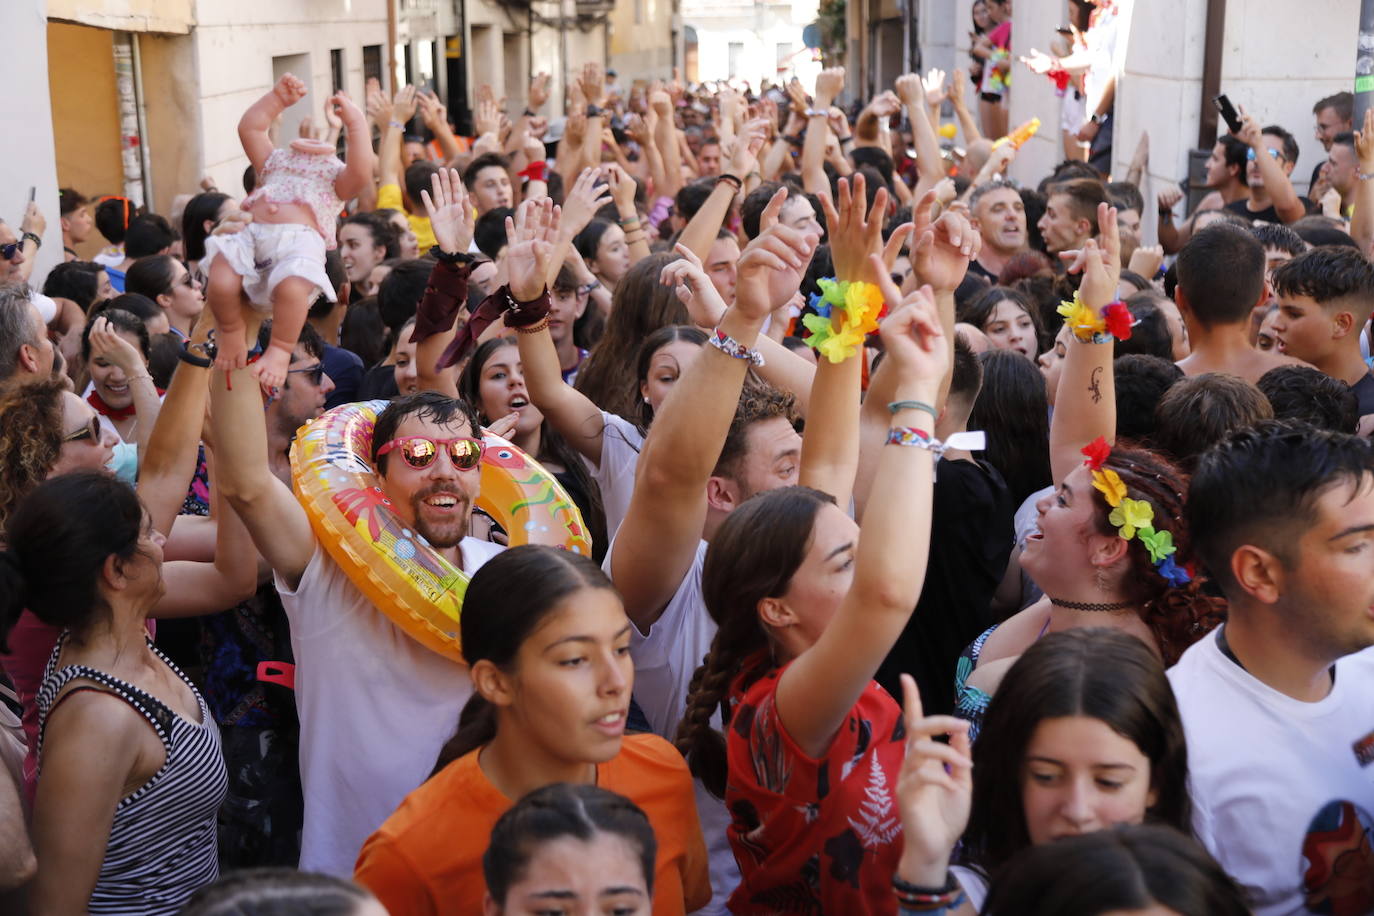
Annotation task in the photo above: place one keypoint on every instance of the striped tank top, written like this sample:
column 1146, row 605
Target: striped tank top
column 162, row 845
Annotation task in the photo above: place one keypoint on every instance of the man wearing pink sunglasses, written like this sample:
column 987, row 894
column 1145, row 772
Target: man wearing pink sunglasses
column 375, row 705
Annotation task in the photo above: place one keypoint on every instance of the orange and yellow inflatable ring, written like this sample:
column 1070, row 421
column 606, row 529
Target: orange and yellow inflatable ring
column 393, row 566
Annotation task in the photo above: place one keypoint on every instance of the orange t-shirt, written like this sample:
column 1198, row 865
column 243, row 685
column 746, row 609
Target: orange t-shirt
column 427, row 857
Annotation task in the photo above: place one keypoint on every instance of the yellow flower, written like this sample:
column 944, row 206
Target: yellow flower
column 839, row 347
column 1082, row 320
column 1130, row 515
column 1111, row 486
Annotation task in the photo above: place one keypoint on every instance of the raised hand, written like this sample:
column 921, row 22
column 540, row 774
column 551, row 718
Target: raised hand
column 747, row 146
column 1038, row 62
column 450, row 214
column 854, row 234
column 1146, row 260
column 829, row 84
column 530, row 239
column 1098, row 261
column 582, row 201
column 934, row 787
column 909, row 89
column 34, row 221
column 693, row 288
column 621, row 186
column 943, row 248
column 378, row 105
column 637, row 129
column 289, row 90
column 487, row 118
column 934, row 85
column 108, row 345
column 403, row 104
column 332, row 118
column 662, row 103
column 771, row 268
column 797, row 95
column 593, row 83
column 958, row 84
column 432, row 110
column 539, row 91
column 1167, row 198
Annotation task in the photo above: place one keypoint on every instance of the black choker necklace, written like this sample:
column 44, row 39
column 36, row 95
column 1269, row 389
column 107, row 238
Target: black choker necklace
column 1085, row 606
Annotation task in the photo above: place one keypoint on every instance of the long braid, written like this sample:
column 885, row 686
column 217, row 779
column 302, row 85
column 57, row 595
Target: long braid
column 699, row 742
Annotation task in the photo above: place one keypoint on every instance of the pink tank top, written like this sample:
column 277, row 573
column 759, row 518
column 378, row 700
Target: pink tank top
column 290, row 177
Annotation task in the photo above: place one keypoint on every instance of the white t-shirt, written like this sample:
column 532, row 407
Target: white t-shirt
column 621, row 443
column 1282, row 788
column 375, row 707
column 665, row 660
column 974, row 883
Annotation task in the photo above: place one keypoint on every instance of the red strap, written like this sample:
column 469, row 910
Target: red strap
column 279, row 673
column 534, row 171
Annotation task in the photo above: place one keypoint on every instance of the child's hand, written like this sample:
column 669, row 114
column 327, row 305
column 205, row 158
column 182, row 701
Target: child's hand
column 289, row 89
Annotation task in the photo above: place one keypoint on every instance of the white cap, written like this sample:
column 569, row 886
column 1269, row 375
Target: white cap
column 46, row 307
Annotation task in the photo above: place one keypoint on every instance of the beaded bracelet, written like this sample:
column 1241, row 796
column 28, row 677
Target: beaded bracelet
column 860, row 304
column 927, row 899
column 733, row 348
column 732, row 180
column 1088, row 325
column 541, row 325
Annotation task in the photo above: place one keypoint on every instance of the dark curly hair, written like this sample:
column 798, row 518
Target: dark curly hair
column 1177, row 617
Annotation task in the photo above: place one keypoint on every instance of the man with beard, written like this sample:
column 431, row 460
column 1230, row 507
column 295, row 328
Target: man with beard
column 374, row 704
column 1001, row 218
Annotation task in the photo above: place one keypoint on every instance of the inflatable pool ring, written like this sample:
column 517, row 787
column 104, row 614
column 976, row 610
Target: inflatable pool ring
column 397, row 570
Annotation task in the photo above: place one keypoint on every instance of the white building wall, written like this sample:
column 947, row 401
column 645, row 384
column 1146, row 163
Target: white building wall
column 26, row 143
column 757, row 29
column 235, row 47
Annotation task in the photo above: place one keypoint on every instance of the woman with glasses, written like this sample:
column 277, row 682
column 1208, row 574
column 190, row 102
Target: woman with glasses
column 547, row 641
column 166, row 281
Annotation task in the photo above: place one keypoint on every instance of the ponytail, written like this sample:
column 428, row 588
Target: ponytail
column 697, row 740
column 476, row 727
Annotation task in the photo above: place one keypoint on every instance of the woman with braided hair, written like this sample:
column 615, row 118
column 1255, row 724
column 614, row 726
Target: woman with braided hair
column 1112, row 546
column 808, row 606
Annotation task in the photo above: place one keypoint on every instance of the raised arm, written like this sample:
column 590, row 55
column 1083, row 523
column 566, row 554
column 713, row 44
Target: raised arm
column 622, row 188
column 701, row 231
column 1085, row 405
column 1362, row 222
column 968, row 124
column 166, row 468
column 257, row 120
column 830, row 454
column 581, row 200
column 665, row 138
column 205, row 588
column 928, row 161
column 389, row 148
column 663, row 527
column 276, row 521
column 829, row 84
column 357, row 173
column 819, row 689
column 450, row 217
column 1276, row 181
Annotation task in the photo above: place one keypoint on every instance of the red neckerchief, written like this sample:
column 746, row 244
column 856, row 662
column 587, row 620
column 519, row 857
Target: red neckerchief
column 105, row 410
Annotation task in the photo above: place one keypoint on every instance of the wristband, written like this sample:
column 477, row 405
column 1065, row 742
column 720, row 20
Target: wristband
column 733, row 348
column 1088, row 325
column 186, row 356
column 1363, row 175
column 593, row 111
column 815, row 113
column 445, row 257
column 541, row 325
column 897, row 406
column 396, row 124
column 530, row 114
column 587, row 290
column 30, row 237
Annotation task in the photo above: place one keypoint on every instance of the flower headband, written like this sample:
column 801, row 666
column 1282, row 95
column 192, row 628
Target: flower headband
column 1091, row 326
column 1133, row 517
column 860, row 305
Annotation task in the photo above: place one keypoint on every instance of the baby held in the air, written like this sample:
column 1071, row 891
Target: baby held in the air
column 277, row 261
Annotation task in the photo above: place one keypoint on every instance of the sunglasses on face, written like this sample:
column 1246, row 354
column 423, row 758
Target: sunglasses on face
column 314, row 374
column 90, row 431
column 9, row 251
column 420, row 451
column 1273, row 154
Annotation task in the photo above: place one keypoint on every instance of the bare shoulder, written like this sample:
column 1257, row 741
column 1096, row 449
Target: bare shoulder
column 1015, row 634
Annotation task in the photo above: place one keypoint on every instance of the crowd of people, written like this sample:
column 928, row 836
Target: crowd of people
column 955, row 547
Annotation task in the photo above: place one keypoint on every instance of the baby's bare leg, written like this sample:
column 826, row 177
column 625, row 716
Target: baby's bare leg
column 225, row 295
column 290, row 303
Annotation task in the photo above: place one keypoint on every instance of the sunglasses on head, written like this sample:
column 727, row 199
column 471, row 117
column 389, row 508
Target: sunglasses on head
column 314, row 374
column 90, row 431
column 420, row 451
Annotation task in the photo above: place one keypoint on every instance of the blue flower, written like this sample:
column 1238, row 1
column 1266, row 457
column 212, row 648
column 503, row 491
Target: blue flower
column 1172, row 573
